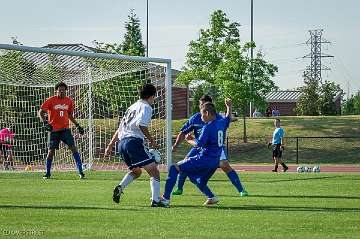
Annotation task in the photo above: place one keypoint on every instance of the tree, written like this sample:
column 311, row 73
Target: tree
column 327, row 98
column 132, row 44
column 352, row 105
column 308, row 103
column 218, row 58
column 317, row 99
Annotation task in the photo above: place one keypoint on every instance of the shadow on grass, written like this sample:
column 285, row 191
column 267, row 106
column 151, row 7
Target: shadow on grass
column 272, row 208
column 66, row 207
column 296, row 179
column 304, row 196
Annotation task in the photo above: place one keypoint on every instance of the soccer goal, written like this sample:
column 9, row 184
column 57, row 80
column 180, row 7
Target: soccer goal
column 102, row 86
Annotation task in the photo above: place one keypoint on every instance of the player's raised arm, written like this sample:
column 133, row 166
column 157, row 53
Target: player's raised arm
column 228, row 104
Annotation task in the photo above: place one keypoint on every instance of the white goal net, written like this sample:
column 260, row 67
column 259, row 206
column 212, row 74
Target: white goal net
column 102, row 86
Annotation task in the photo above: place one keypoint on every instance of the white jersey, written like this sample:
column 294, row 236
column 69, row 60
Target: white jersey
column 138, row 114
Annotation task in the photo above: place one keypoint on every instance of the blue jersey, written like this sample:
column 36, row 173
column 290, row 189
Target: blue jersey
column 211, row 140
column 277, row 135
column 196, row 124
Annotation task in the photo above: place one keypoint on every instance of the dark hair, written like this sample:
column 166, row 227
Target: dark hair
column 206, row 98
column 209, row 107
column 61, row 84
column 277, row 120
column 146, row 91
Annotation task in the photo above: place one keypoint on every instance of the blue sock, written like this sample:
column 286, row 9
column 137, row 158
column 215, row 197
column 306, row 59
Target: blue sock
column 78, row 162
column 170, row 181
column 202, row 186
column 181, row 180
column 48, row 166
column 235, row 180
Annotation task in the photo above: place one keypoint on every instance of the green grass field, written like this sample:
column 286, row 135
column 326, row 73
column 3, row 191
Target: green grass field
column 284, row 205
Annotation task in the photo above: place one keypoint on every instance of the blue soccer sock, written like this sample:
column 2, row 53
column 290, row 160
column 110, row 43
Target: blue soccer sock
column 78, row 162
column 48, row 166
column 170, row 181
column 235, row 180
column 181, row 180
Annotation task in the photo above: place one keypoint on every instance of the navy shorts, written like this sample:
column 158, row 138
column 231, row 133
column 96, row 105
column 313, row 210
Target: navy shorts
column 277, row 152
column 62, row 135
column 133, row 152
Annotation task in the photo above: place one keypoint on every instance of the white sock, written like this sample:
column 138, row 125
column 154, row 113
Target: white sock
column 127, row 179
column 155, row 189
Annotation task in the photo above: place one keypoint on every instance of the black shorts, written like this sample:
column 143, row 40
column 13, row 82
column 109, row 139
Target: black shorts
column 133, row 152
column 62, row 135
column 5, row 150
column 277, row 152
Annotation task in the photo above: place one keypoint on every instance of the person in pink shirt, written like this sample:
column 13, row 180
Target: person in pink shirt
column 6, row 139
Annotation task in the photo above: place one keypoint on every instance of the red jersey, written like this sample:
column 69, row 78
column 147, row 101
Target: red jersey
column 58, row 111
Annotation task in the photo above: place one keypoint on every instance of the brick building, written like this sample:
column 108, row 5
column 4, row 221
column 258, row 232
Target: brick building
column 286, row 101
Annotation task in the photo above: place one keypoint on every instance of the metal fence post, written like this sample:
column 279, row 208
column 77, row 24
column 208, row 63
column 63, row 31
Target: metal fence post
column 297, row 150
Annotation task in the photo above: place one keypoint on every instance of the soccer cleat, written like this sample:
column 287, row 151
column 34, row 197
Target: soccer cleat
column 82, row 176
column 244, row 193
column 165, row 202
column 285, row 169
column 274, row 170
column 117, row 193
column 159, row 204
column 177, row 192
column 211, row 201
column 46, row 176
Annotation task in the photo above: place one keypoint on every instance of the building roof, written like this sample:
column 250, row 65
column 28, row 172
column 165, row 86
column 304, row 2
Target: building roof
column 289, row 96
column 283, row 96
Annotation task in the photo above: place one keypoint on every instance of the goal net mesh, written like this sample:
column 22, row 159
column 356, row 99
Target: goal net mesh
column 102, row 90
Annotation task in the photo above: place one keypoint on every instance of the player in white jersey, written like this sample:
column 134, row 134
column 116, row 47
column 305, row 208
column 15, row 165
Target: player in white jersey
column 132, row 130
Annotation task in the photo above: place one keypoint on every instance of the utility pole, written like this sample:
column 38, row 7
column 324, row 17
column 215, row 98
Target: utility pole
column 147, row 28
column 251, row 49
column 315, row 68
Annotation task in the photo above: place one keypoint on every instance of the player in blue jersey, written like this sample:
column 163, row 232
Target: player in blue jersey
column 201, row 166
column 278, row 146
column 195, row 124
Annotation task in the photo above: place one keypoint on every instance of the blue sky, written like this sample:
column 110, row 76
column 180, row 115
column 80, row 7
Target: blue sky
column 281, row 27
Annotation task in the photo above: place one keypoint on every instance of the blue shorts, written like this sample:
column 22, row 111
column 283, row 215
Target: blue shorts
column 197, row 170
column 194, row 151
column 62, row 135
column 133, row 152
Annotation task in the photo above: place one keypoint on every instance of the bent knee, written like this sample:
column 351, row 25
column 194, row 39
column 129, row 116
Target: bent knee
column 225, row 166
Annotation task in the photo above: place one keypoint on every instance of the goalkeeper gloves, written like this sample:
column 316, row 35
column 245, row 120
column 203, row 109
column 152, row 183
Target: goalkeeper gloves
column 80, row 129
column 47, row 126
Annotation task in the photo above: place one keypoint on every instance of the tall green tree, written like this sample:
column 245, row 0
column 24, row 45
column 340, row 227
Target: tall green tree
column 132, row 44
column 218, row 58
column 329, row 90
column 308, row 103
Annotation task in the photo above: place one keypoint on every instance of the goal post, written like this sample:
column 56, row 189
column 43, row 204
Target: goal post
column 102, row 86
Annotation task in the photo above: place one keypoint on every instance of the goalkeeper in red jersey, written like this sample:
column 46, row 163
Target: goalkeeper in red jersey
column 60, row 110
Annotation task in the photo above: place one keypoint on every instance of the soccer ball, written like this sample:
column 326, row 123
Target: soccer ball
column 28, row 168
column 156, row 154
column 316, row 169
column 300, row 169
column 307, row 169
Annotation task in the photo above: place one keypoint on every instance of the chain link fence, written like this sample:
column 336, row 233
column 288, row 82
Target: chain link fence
column 299, row 150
